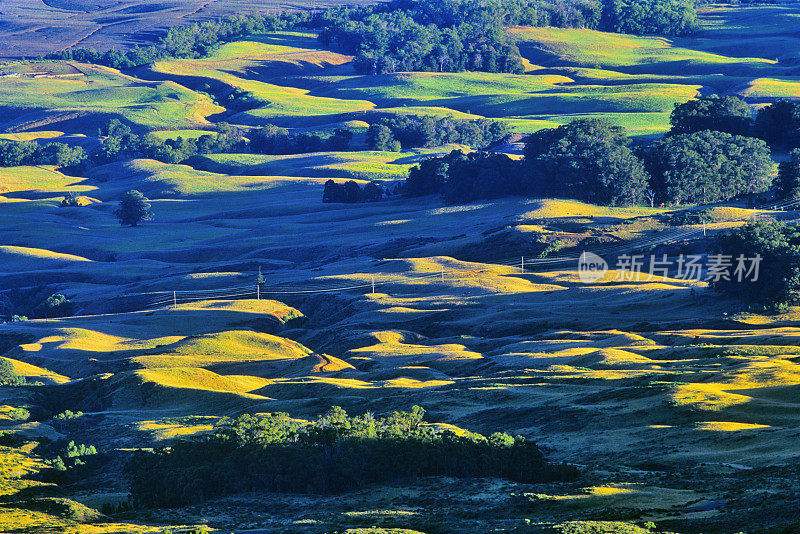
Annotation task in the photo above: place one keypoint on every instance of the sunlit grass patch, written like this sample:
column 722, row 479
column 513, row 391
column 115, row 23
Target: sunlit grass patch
column 772, row 88
column 728, row 426
column 104, row 90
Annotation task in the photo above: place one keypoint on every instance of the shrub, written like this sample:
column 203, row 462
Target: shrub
column 8, row 377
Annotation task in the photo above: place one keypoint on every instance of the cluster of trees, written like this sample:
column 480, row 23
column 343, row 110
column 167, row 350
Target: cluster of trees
column 591, row 160
column 409, row 131
column 422, row 35
column 646, row 17
column 778, row 280
column 335, row 453
column 352, row 193
column 707, row 166
column 457, row 35
column 119, row 142
column 275, row 140
column 397, row 40
column 464, row 177
column 15, row 153
column 778, row 123
column 72, row 462
column 788, row 182
column 35, row 302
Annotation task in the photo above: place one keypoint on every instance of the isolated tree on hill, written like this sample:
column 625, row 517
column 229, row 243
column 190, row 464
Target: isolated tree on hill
column 133, row 209
column 722, row 114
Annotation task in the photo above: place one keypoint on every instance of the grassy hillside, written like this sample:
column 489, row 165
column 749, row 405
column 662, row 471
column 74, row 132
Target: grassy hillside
column 91, row 93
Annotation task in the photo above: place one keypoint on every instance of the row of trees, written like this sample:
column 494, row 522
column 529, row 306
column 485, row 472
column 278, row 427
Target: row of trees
column 275, row 140
column 409, row 131
column 190, row 41
column 352, row 193
column 335, row 453
column 15, row 153
column 591, row 160
column 120, row 142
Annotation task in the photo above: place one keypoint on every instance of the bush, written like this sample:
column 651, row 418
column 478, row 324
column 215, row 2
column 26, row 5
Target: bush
column 8, row 377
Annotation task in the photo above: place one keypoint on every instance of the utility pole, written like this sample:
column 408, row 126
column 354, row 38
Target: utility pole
column 259, row 282
column 704, row 228
column 442, row 273
column 373, row 285
column 175, row 299
column 522, row 265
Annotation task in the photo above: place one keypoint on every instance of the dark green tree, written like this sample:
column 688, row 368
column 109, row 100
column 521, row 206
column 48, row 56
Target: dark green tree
column 644, row 17
column 788, row 182
column 722, row 114
column 133, row 208
column 707, row 166
column 778, row 246
column 380, row 137
column 587, row 159
column 779, row 124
